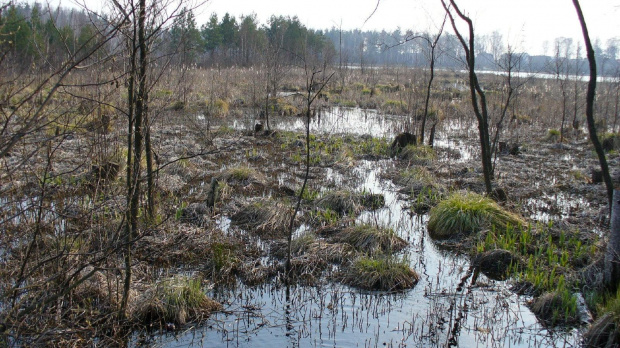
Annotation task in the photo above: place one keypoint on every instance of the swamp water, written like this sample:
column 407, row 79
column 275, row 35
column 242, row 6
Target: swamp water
column 443, row 309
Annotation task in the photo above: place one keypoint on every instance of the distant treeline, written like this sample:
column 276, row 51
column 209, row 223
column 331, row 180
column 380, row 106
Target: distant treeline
column 381, row 48
column 30, row 32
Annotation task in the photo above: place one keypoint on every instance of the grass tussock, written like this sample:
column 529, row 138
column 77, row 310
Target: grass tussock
column 266, row 218
column 605, row 331
column 242, row 176
column 223, row 259
column 423, row 189
column 556, row 308
column 178, row 300
column 306, row 269
column 371, row 239
column 174, row 245
column 309, row 245
column 341, row 202
column 552, row 136
column 467, row 213
column 420, row 155
column 610, row 141
column 382, row 273
column 350, row 203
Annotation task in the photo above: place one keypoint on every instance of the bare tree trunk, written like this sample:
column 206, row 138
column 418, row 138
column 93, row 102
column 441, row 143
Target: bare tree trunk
column 310, row 97
column 510, row 64
column 616, row 108
column 476, row 93
column 150, row 173
column 130, row 186
column 612, row 255
column 591, row 94
column 564, row 97
column 431, row 138
column 139, row 102
column 433, row 46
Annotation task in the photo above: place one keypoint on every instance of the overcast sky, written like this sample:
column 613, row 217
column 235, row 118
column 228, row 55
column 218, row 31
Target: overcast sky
column 525, row 24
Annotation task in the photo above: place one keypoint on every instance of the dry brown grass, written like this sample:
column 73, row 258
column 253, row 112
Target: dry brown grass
column 265, row 218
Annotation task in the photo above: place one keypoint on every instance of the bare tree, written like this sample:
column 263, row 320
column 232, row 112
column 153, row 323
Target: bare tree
column 431, row 58
column 509, row 63
column 612, row 257
column 478, row 97
column 562, row 71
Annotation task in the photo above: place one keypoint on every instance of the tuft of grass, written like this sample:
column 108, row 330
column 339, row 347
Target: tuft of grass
column 557, row 307
column 345, row 103
column 324, row 217
column 384, row 273
column 266, row 218
column 177, row 105
column 467, row 213
column 308, row 194
column 341, row 202
column 612, row 306
column 220, row 107
column 552, row 135
column 421, row 155
column 302, row 244
column 416, row 176
column 371, row 239
column 223, row 258
column 241, row 173
column 242, row 176
column 423, row 189
column 394, row 106
column 177, row 300
column 379, row 147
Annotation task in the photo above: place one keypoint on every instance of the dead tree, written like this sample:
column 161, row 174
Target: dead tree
column 612, row 257
column 478, row 97
column 432, row 58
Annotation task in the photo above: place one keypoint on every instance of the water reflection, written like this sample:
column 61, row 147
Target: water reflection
column 449, row 306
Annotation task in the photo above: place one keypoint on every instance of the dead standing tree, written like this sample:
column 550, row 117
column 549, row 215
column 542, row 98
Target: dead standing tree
column 612, row 257
column 313, row 90
column 510, row 64
column 146, row 23
column 478, row 97
column 432, row 57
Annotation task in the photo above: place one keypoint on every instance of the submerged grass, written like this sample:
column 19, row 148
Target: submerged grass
column 384, row 273
column 467, row 213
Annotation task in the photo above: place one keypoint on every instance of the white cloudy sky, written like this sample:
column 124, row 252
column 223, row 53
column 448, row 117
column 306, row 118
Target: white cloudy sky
column 523, row 23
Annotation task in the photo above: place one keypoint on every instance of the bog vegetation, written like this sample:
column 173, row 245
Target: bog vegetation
column 142, row 166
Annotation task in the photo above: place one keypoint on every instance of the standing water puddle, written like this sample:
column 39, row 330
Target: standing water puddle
column 443, row 309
